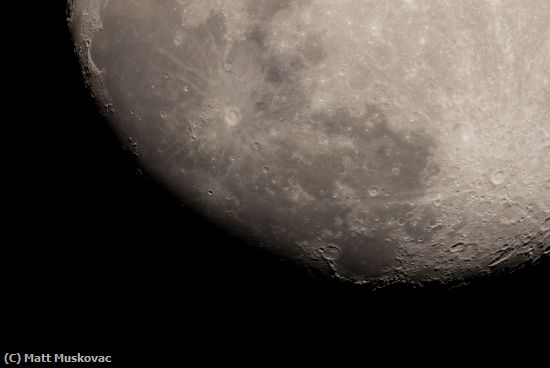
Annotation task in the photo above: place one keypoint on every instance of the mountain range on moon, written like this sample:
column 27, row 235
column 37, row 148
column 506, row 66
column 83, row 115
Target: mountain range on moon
column 379, row 142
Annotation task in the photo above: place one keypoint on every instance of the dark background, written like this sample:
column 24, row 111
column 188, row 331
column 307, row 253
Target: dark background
column 95, row 256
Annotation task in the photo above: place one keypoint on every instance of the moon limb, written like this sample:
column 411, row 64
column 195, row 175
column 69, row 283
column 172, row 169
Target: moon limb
column 408, row 108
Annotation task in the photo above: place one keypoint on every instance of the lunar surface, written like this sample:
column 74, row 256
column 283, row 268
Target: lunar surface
column 378, row 142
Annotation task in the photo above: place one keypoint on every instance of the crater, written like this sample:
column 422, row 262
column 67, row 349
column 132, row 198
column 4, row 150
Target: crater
column 232, row 116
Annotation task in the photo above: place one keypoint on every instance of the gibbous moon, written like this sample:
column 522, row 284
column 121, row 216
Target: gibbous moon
column 376, row 141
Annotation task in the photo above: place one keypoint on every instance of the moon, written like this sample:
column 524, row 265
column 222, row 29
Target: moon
column 377, row 142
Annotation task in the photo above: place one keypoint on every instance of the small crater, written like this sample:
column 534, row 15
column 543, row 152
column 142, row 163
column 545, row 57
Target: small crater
column 232, row 116
column 498, row 177
column 374, row 191
column 227, row 66
column 331, row 252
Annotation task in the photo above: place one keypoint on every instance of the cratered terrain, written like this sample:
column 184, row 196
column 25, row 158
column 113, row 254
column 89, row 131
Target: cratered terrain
column 378, row 142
